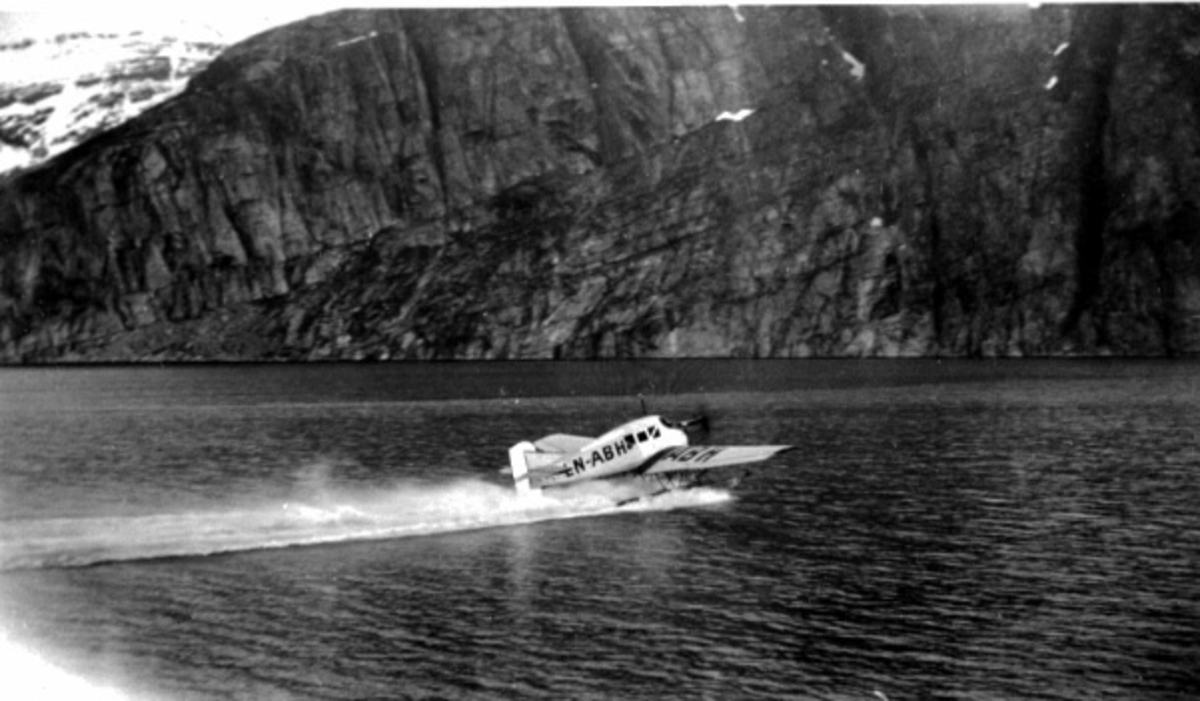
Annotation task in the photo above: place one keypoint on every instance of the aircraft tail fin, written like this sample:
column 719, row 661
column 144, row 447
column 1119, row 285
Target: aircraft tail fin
column 517, row 458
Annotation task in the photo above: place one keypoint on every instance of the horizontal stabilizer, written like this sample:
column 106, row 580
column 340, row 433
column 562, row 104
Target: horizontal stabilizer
column 531, row 459
column 706, row 457
column 540, row 461
column 562, row 443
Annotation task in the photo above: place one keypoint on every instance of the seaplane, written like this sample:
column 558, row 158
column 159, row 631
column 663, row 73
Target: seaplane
column 649, row 448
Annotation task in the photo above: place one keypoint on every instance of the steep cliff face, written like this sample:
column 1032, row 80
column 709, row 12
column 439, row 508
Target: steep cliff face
column 552, row 183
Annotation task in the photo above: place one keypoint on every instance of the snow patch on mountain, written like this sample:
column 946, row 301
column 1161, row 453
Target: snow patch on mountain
column 58, row 91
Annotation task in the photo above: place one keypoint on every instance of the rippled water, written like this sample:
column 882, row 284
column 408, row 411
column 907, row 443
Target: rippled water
column 945, row 530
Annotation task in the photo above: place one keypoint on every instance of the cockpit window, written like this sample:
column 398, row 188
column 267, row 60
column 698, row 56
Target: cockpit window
column 654, row 432
column 630, row 441
column 641, row 436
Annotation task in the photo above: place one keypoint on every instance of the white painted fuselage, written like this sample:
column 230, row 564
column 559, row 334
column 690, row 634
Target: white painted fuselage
column 646, row 447
column 623, row 449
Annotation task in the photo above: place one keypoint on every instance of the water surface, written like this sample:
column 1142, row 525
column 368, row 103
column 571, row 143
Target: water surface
column 945, row 530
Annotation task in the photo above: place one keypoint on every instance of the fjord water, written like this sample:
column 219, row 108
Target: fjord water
column 966, row 530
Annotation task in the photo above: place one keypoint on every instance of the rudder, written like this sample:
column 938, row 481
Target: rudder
column 520, row 467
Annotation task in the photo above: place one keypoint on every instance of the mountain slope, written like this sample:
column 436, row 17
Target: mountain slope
column 555, row 183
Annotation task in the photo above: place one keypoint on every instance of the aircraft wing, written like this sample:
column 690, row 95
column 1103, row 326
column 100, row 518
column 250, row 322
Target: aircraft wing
column 562, row 443
column 705, row 457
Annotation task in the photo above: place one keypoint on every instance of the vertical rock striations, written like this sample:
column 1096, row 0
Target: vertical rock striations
column 1091, row 62
column 552, row 183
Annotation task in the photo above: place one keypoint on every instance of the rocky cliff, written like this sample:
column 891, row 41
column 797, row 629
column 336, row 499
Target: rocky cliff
column 547, row 183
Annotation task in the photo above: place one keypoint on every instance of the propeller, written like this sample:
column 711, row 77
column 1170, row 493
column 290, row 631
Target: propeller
column 697, row 424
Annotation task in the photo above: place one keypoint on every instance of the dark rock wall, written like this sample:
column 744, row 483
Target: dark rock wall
column 551, row 183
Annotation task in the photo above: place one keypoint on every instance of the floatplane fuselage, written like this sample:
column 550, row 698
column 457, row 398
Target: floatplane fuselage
column 649, row 446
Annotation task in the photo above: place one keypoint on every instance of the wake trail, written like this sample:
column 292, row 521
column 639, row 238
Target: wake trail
column 395, row 513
